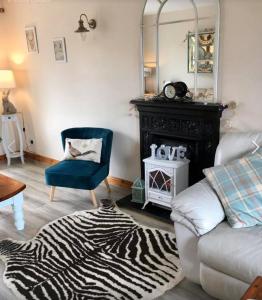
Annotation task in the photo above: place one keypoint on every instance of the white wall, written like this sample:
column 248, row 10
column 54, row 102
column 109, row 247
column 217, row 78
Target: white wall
column 102, row 75
column 3, row 58
column 241, row 61
column 95, row 86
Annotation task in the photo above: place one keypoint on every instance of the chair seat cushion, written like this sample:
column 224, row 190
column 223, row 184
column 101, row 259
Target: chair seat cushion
column 234, row 252
column 77, row 174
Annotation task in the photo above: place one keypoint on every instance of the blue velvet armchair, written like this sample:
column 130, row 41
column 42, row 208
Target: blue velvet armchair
column 82, row 174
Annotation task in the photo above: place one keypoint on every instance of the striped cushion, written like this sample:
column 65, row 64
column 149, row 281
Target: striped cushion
column 239, row 187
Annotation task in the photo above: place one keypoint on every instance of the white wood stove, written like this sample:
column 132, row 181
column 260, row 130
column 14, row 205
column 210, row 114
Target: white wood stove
column 164, row 179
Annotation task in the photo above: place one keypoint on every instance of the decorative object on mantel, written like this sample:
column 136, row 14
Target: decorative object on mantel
column 164, row 179
column 130, row 262
column 138, row 191
column 203, row 94
column 231, row 105
column 7, row 82
column 175, row 90
column 132, row 110
column 31, row 39
column 60, row 50
column 228, row 114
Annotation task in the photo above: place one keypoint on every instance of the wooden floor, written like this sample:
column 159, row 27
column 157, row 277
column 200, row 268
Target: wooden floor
column 39, row 211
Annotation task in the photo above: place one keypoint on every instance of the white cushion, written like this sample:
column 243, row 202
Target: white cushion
column 198, row 208
column 83, row 149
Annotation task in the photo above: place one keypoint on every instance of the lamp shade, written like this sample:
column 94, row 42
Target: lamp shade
column 81, row 27
column 7, row 79
column 147, row 72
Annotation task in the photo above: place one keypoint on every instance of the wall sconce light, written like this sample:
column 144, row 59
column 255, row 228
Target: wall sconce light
column 2, row 9
column 82, row 29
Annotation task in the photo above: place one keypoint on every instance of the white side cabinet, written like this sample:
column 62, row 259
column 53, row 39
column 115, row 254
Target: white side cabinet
column 164, row 179
column 8, row 146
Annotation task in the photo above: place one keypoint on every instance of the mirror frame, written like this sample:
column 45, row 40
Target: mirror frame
column 216, row 50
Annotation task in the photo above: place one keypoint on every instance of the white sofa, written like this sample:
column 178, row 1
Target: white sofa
column 222, row 259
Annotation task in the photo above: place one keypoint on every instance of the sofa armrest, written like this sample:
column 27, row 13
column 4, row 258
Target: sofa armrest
column 198, row 208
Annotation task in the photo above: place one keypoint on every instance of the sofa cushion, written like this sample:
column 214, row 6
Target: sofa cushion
column 234, row 252
column 239, row 187
column 198, row 208
column 78, row 174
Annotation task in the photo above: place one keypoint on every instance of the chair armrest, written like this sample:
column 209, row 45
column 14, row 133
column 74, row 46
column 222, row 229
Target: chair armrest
column 198, row 208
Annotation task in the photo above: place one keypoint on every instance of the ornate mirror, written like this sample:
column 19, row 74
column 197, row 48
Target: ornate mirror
column 180, row 42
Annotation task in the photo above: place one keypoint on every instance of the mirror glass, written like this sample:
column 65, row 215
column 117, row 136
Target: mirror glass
column 171, row 50
column 149, row 32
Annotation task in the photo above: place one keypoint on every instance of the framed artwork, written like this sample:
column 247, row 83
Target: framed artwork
column 205, row 52
column 60, row 50
column 31, row 39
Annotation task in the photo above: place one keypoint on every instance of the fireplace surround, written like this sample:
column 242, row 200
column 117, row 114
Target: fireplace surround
column 194, row 125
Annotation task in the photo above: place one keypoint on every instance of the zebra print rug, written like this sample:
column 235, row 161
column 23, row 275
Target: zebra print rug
column 94, row 254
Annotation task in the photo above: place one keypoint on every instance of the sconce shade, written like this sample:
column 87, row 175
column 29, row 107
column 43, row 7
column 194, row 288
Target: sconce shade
column 81, row 27
column 7, row 79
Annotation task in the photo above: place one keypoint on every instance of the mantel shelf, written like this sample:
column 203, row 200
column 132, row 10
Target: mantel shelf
column 176, row 104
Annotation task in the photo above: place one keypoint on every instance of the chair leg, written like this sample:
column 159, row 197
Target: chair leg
column 52, row 193
column 107, row 185
column 93, row 197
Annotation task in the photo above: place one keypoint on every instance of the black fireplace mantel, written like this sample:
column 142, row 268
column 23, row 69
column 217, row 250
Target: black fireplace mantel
column 193, row 124
column 179, row 105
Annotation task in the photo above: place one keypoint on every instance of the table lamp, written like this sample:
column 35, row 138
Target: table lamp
column 7, row 82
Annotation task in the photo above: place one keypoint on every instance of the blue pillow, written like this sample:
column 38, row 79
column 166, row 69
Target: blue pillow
column 239, row 188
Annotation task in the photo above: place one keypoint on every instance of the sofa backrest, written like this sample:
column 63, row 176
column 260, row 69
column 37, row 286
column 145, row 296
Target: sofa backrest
column 235, row 145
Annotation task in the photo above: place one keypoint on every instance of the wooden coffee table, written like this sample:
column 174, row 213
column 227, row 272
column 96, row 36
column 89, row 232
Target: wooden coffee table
column 11, row 193
column 255, row 290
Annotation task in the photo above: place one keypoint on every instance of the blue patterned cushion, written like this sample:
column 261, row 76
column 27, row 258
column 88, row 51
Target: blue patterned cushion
column 239, row 187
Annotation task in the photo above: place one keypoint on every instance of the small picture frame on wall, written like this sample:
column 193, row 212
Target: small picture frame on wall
column 60, row 50
column 31, row 39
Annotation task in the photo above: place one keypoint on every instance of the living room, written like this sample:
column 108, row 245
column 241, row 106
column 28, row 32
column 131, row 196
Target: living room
column 89, row 65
